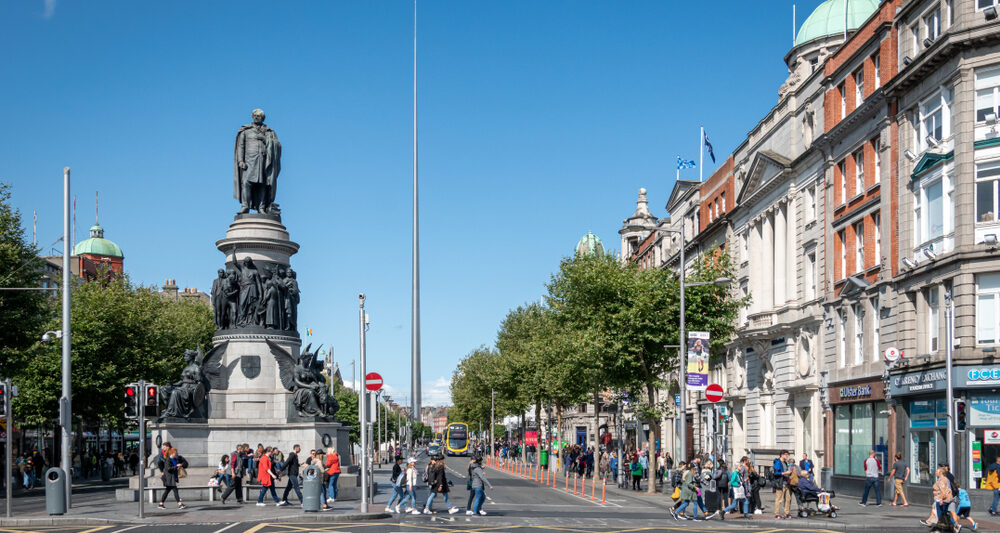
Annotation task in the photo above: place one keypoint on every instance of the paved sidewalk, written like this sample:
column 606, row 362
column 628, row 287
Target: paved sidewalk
column 851, row 516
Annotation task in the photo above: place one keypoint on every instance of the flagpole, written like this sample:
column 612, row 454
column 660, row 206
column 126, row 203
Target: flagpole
column 701, row 155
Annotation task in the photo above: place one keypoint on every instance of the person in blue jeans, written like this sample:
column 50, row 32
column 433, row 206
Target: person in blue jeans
column 993, row 482
column 873, row 469
column 438, row 482
column 737, row 481
column 479, row 483
column 397, row 479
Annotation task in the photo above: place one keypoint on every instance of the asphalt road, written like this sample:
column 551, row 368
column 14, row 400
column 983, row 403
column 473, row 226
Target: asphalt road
column 515, row 505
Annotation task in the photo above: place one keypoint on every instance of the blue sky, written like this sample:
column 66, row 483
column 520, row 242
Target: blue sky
column 538, row 122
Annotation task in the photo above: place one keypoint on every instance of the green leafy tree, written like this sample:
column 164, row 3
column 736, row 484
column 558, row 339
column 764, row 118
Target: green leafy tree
column 120, row 333
column 348, row 411
column 23, row 313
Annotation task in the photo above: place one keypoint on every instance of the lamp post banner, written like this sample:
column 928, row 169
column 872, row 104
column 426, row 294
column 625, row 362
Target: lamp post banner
column 697, row 360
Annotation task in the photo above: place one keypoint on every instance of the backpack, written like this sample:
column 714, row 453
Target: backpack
column 675, row 478
column 793, row 478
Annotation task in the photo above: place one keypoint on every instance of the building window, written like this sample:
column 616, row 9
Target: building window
column 987, row 312
column 744, row 252
column 842, row 347
column 932, row 207
column 935, row 117
column 842, row 168
column 858, row 429
column 859, row 333
column 878, row 73
column 877, row 167
column 842, row 236
column 931, row 24
column 859, row 171
column 813, row 63
column 810, row 275
column 723, row 202
column 987, row 93
column 983, row 4
column 859, row 246
column 859, row 87
column 987, row 185
column 810, row 204
column 933, row 318
column 877, row 222
column 876, row 320
column 843, row 99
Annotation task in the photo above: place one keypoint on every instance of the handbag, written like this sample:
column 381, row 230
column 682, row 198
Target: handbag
column 676, row 494
column 181, row 472
column 739, row 493
column 213, row 482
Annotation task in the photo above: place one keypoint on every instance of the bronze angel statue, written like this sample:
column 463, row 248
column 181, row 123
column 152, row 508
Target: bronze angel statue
column 304, row 378
column 202, row 372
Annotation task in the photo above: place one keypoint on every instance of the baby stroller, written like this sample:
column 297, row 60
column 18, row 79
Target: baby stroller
column 813, row 504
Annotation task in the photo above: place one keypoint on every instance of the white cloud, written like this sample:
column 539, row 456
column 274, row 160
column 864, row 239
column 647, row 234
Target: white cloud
column 437, row 392
column 50, row 9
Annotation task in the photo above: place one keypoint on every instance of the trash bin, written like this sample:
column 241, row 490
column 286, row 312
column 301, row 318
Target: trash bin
column 312, row 488
column 55, row 491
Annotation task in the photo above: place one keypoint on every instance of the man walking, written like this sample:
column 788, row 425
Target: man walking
column 780, row 472
column 873, row 469
column 993, row 483
column 291, row 467
column 900, row 471
column 237, row 463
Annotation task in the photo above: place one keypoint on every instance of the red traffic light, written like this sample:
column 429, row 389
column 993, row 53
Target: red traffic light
column 151, row 391
column 130, row 391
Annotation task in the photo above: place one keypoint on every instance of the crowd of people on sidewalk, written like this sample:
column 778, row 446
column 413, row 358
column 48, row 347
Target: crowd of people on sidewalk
column 264, row 467
column 406, row 481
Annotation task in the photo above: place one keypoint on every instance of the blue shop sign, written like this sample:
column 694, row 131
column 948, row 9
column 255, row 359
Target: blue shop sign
column 977, row 376
column 918, row 382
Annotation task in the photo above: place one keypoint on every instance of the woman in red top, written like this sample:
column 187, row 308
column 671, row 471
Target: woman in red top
column 266, row 477
column 333, row 470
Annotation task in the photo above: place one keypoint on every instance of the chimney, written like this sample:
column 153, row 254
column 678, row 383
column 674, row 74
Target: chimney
column 170, row 288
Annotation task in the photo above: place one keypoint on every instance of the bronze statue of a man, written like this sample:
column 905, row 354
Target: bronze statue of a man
column 256, row 165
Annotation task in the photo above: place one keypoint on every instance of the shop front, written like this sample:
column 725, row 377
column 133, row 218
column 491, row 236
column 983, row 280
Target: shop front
column 979, row 388
column 922, row 420
column 861, row 423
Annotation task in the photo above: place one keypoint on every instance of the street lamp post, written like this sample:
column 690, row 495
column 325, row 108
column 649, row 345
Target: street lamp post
column 65, row 403
column 683, row 334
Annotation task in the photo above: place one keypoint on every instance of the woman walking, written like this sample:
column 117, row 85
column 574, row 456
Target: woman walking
column 411, row 486
column 173, row 469
column 266, row 476
column 333, row 470
column 636, row 473
column 757, row 482
column 439, row 485
column 738, row 484
column 479, row 483
column 689, row 493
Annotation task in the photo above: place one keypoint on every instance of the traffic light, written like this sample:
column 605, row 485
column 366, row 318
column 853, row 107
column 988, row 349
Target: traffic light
column 961, row 415
column 3, row 399
column 131, row 395
column 152, row 401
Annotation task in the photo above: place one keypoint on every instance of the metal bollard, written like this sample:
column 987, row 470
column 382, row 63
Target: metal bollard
column 312, row 488
column 55, row 491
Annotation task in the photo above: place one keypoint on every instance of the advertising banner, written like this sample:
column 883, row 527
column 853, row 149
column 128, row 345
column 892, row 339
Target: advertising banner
column 531, row 437
column 985, row 411
column 697, row 360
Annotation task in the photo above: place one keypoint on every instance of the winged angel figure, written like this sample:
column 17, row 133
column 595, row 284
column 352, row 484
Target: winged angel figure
column 304, row 378
column 202, row 372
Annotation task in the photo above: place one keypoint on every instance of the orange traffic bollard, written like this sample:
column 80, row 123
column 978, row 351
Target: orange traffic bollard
column 604, row 486
column 567, row 482
column 583, row 486
column 575, row 478
column 593, row 489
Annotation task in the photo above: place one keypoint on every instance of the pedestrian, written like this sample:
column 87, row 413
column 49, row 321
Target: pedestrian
column 644, row 462
column 438, row 485
column 738, row 484
column 237, row 465
column 174, row 467
column 411, row 485
column 223, row 474
column 805, row 466
column 900, row 472
column 266, row 476
column 942, row 498
column 757, row 482
column 722, row 483
column 676, row 479
column 689, row 493
column 964, row 509
column 479, row 484
column 636, row 473
column 291, row 467
column 781, row 473
column 613, row 465
column 993, row 483
column 333, row 469
column 396, row 478
column 669, row 462
column 468, row 486
column 873, row 470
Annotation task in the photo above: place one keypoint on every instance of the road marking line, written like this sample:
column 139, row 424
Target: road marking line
column 227, row 527
column 98, row 528
column 128, row 528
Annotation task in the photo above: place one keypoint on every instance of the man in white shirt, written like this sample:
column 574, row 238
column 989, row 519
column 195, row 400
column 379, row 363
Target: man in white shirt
column 873, row 470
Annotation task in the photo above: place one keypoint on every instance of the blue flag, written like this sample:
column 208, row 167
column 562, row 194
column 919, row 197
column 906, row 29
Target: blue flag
column 682, row 164
column 709, row 146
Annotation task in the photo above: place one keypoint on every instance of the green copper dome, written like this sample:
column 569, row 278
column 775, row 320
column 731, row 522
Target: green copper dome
column 590, row 245
column 828, row 19
column 97, row 244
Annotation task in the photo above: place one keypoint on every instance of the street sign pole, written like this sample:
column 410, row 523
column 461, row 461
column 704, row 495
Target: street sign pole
column 142, row 394
column 8, row 455
column 363, row 418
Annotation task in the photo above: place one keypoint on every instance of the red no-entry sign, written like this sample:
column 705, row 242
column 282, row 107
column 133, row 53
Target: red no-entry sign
column 373, row 381
column 714, row 392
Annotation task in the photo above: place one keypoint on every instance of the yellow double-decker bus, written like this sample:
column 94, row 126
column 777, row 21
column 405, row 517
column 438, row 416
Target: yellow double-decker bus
column 456, row 439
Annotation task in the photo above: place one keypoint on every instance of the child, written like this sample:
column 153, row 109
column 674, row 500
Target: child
column 964, row 509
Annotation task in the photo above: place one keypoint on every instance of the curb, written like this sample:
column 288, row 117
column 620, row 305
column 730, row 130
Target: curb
column 310, row 518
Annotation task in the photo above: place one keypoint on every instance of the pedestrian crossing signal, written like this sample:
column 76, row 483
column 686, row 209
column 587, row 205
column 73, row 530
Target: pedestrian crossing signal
column 131, row 394
column 152, row 401
column 4, row 400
